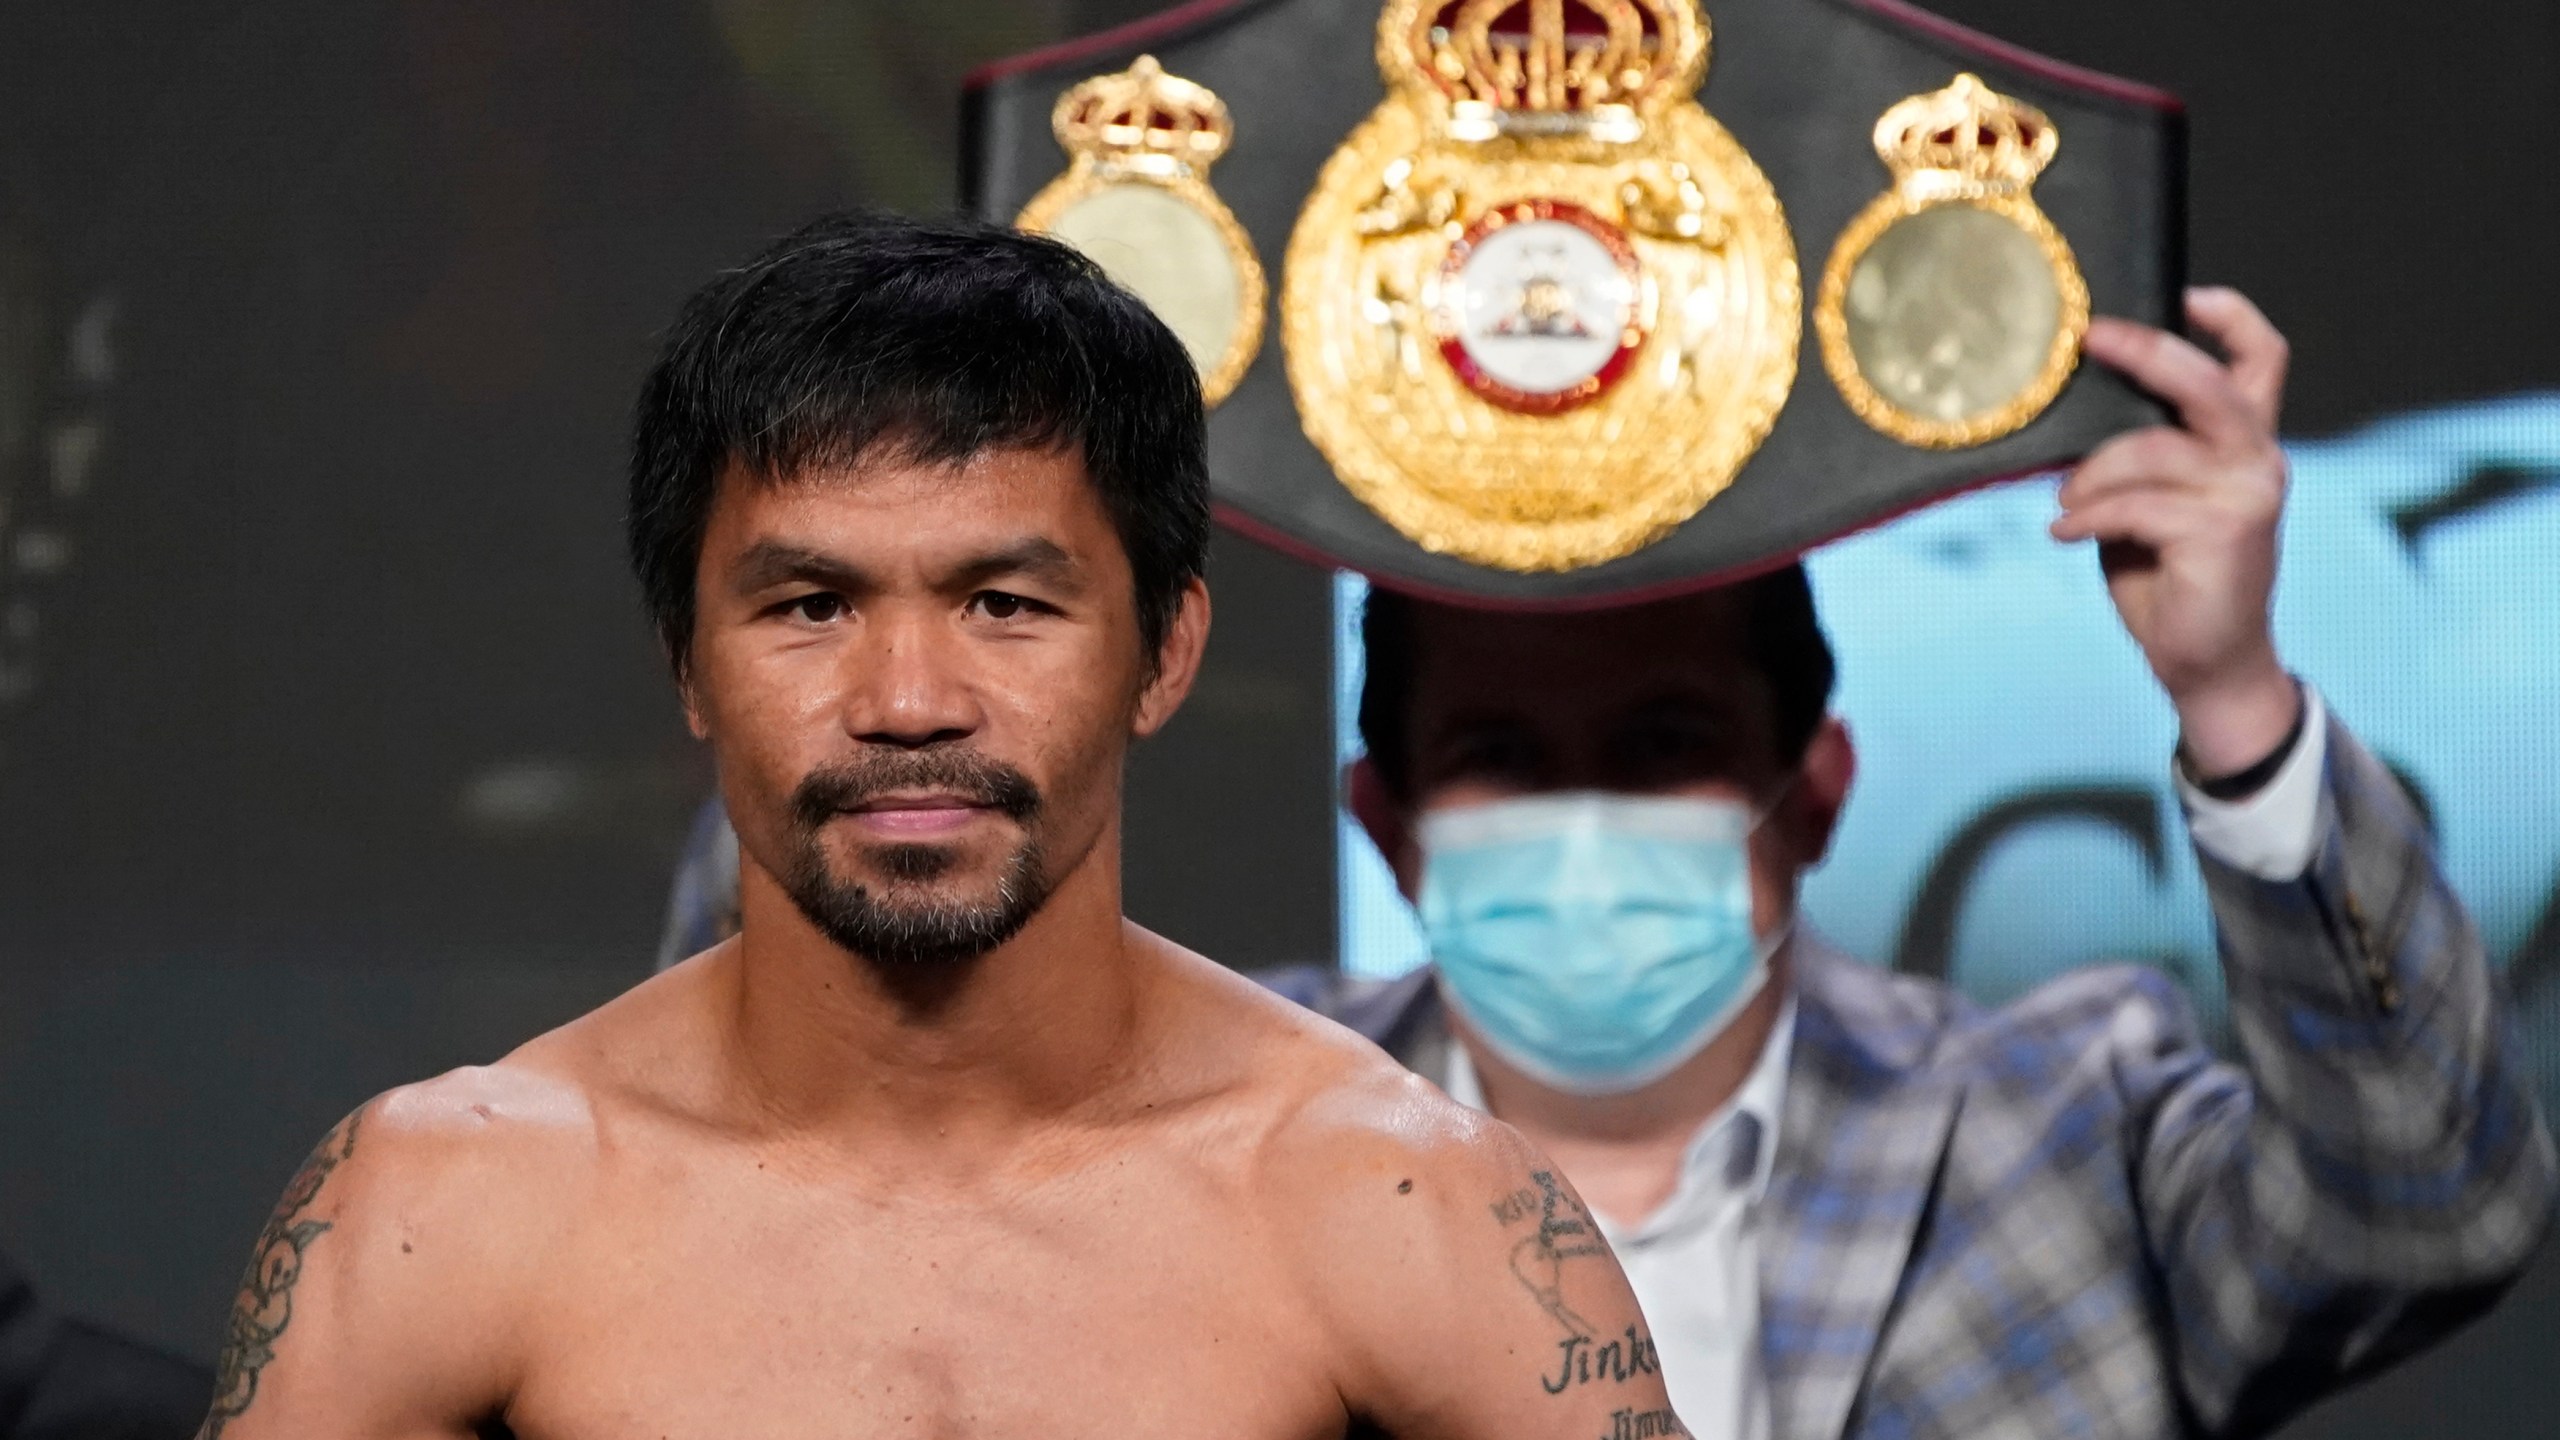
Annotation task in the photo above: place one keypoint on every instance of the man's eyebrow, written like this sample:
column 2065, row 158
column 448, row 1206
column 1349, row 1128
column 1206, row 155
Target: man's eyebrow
column 1720, row 709
column 771, row 562
column 1468, row 724
column 1034, row 556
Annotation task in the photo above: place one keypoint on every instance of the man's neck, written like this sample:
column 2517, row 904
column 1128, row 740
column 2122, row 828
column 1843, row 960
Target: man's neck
column 825, row 1039
column 1624, row 1151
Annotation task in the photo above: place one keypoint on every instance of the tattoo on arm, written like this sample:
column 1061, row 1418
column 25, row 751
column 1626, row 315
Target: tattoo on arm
column 265, row 1304
column 1612, row 1362
column 1645, row 1425
column 1566, row 1234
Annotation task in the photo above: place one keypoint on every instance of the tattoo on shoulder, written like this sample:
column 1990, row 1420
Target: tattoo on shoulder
column 265, row 1304
column 1541, row 1260
column 1565, row 1233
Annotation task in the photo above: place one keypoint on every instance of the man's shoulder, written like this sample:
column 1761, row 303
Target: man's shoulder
column 1343, row 1112
column 1367, row 1169
column 1360, row 1102
column 1449, row 1268
column 498, row 1148
column 2105, row 1013
column 475, row 1163
column 408, row 1247
column 514, row 1111
column 2085, row 1020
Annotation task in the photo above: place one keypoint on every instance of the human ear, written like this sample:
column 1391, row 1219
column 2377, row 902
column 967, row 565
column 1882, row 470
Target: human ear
column 1177, row 661
column 1822, row 785
column 1364, row 790
column 691, row 698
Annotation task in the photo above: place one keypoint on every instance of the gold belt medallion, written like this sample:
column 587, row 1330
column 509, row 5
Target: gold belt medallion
column 1951, row 311
column 1136, row 199
column 1540, row 307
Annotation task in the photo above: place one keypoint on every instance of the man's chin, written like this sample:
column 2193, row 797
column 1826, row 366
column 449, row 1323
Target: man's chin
column 908, row 932
column 924, row 874
column 920, row 905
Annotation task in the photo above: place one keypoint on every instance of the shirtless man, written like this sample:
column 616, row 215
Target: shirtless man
column 940, row 1144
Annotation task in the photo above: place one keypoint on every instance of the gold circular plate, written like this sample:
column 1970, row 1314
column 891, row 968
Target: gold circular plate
column 1170, row 242
column 1501, row 474
column 1950, row 322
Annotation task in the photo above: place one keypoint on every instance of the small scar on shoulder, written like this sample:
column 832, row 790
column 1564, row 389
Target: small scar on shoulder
column 1404, row 1187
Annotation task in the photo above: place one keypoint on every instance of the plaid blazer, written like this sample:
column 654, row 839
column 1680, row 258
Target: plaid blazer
column 2066, row 1217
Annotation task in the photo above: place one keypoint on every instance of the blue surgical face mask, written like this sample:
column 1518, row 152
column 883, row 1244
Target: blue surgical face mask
column 1594, row 941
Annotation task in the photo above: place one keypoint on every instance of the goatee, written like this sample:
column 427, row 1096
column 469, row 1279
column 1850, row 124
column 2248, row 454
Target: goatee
column 926, row 929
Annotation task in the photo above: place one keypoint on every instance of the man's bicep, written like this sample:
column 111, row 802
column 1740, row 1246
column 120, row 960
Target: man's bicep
column 1527, row 1327
column 323, row 1337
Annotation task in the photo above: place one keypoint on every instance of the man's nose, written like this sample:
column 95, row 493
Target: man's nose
column 909, row 685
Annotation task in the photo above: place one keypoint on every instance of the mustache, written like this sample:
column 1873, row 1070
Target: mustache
column 977, row 779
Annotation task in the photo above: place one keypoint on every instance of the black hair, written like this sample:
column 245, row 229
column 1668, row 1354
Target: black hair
column 1781, row 635
column 934, row 341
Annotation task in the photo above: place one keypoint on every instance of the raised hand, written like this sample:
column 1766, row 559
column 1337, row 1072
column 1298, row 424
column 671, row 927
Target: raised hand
column 2186, row 518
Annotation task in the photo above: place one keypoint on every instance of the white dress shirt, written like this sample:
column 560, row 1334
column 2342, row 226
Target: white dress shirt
column 1695, row 1262
column 2273, row 833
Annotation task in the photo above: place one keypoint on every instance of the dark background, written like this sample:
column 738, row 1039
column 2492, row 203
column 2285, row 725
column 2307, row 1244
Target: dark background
column 333, row 749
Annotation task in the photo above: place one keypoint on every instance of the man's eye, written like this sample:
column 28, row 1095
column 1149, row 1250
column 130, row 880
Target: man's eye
column 817, row 609
column 1498, row 756
column 1663, row 745
column 997, row 605
column 1668, row 751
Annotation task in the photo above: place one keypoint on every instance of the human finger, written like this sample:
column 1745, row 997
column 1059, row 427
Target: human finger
column 2260, row 355
column 2200, row 388
column 2155, row 454
column 2151, row 515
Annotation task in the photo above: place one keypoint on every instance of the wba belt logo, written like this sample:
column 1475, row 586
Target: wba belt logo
column 1540, row 307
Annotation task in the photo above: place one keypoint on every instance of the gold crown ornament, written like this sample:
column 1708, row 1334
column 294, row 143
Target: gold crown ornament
column 1540, row 307
column 1136, row 199
column 1951, row 311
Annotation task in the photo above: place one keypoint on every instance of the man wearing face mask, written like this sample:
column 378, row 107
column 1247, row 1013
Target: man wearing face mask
column 1853, row 1203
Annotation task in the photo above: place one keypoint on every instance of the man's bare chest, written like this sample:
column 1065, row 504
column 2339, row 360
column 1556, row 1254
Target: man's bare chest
column 1107, row 1316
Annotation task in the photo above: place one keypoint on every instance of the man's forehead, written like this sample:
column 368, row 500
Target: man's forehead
column 888, row 467
column 886, row 497
column 1691, row 643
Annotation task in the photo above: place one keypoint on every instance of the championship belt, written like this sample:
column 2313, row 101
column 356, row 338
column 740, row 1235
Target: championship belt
column 1540, row 314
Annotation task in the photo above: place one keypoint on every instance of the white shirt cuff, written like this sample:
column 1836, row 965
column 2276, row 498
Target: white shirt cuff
column 2273, row 833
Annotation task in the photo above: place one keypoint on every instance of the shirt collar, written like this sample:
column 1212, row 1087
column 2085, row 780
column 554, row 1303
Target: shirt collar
column 1763, row 1095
